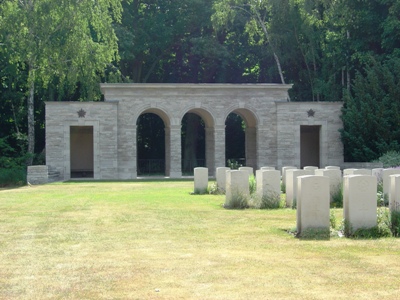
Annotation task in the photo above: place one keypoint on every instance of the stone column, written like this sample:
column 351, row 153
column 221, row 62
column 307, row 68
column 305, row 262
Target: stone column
column 175, row 151
column 167, row 151
column 219, row 146
column 210, row 150
column 127, row 152
column 251, row 147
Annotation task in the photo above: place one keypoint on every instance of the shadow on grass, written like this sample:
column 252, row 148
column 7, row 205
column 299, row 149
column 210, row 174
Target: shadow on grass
column 312, row 234
column 141, row 179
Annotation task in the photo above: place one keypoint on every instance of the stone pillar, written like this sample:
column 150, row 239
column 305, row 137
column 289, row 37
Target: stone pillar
column 251, row 147
column 219, row 146
column 200, row 180
column 210, row 149
column 394, row 196
column 167, row 151
column 313, row 204
column 359, row 201
column 176, row 152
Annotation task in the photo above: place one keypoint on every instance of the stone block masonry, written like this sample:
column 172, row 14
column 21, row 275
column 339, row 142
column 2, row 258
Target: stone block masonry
column 272, row 135
column 37, row 174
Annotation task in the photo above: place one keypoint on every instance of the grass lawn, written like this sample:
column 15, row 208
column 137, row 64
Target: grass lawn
column 153, row 240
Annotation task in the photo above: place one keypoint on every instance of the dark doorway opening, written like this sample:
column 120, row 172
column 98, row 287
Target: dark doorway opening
column 235, row 141
column 81, row 149
column 150, row 145
column 310, row 146
column 193, row 143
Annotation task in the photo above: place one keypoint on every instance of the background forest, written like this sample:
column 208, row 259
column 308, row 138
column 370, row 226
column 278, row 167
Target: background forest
column 330, row 50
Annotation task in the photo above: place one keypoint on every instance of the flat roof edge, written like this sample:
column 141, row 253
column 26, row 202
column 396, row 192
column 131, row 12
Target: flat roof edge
column 104, row 86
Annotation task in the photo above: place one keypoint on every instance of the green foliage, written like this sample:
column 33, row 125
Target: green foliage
column 252, row 184
column 271, row 201
column 390, row 159
column 283, row 187
column 315, row 234
column 370, row 115
column 236, row 201
column 233, row 164
column 337, row 197
column 12, row 164
column 214, row 189
column 332, row 219
column 395, row 223
column 12, row 177
column 382, row 229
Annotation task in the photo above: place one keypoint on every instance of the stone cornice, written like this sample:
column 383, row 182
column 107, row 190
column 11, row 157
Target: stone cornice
column 203, row 86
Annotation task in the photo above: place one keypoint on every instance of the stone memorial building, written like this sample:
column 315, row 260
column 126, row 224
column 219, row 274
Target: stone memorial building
column 99, row 139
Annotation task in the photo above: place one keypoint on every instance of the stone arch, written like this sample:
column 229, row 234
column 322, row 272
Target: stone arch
column 250, row 146
column 209, row 135
column 160, row 165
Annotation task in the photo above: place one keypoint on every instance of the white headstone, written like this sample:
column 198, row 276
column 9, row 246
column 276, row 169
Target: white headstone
column 237, row 183
column 200, row 180
column 267, row 168
column 221, row 177
column 386, row 179
column 313, row 203
column 359, row 201
column 310, row 168
column 268, row 183
column 284, row 169
column 249, row 170
column 377, row 172
column 394, row 196
column 335, row 179
column 349, row 171
column 291, row 186
column 363, row 172
column 332, row 168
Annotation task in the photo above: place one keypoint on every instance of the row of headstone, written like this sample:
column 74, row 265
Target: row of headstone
column 335, row 175
column 312, row 192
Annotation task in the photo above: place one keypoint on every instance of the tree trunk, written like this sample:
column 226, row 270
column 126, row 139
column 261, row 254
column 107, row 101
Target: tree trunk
column 278, row 64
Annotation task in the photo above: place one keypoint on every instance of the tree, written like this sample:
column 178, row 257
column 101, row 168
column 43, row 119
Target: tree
column 259, row 13
column 371, row 115
column 68, row 42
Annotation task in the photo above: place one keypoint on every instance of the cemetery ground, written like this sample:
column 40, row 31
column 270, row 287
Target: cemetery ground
column 154, row 240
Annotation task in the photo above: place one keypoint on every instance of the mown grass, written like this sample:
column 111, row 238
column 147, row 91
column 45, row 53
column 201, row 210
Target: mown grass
column 153, row 240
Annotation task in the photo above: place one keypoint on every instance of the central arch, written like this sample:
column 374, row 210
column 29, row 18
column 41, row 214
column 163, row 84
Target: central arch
column 247, row 139
column 152, row 143
column 198, row 145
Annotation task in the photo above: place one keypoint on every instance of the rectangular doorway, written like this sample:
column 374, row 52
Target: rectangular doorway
column 81, row 149
column 310, row 146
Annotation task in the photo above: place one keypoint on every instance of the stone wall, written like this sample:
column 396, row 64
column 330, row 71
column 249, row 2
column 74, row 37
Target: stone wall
column 272, row 125
column 60, row 116
column 37, row 174
column 291, row 115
